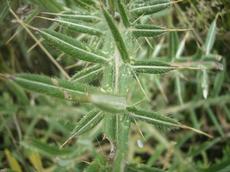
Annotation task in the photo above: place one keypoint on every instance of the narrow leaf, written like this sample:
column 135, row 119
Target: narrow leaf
column 123, row 13
column 153, row 118
column 71, row 46
column 54, row 87
column 151, row 7
column 145, row 30
column 117, row 36
column 67, row 90
column 173, row 44
column 152, row 67
column 86, row 123
column 36, row 161
column 210, row 38
column 88, row 73
column 205, row 83
column 78, row 26
column 47, row 149
column 75, row 16
column 89, row 121
column 13, row 163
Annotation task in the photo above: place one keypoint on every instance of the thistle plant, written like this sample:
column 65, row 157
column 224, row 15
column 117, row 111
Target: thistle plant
column 107, row 37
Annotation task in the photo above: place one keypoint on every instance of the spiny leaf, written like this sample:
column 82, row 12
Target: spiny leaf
column 151, row 7
column 87, row 73
column 145, row 30
column 117, row 36
column 67, row 90
column 89, row 121
column 153, row 118
column 78, row 26
column 86, row 123
column 123, row 13
column 75, row 16
column 152, row 67
column 210, row 38
column 53, row 87
column 71, row 46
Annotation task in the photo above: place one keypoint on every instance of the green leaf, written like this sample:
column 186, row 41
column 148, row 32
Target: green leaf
column 71, row 46
column 89, row 121
column 146, row 30
column 99, row 164
column 215, row 121
column 210, row 38
column 142, row 168
column 78, row 26
column 54, row 87
column 123, row 13
column 47, row 149
column 109, row 103
column 110, row 119
column 18, row 92
column 203, row 147
column 154, row 118
column 87, row 74
column 122, row 142
column 223, row 166
column 117, row 36
column 173, row 44
column 152, row 67
column 86, row 123
column 205, row 83
column 75, row 16
column 152, row 7
column 67, row 90
column 219, row 81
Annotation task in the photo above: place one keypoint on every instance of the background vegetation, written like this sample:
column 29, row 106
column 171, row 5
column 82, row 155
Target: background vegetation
column 34, row 126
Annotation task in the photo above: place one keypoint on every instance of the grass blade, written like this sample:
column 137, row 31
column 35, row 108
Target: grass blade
column 210, row 38
column 47, row 149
